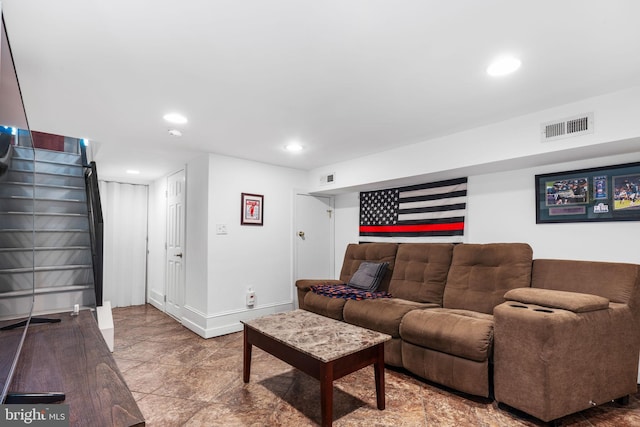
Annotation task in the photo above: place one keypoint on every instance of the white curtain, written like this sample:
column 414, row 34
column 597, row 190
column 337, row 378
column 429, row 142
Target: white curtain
column 124, row 210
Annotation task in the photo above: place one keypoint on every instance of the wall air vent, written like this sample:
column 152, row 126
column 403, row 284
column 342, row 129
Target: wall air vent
column 328, row 178
column 572, row 126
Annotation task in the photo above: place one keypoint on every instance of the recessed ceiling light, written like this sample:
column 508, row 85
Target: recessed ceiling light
column 293, row 147
column 503, row 66
column 133, row 172
column 175, row 118
column 175, row 132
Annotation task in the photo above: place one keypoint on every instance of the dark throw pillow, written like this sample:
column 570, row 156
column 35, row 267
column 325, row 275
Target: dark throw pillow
column 368, row 276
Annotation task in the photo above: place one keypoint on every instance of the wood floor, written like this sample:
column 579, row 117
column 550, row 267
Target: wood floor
column 180, row 379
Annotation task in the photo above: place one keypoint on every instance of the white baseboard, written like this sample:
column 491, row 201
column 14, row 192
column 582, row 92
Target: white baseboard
column 156, row 299
column 214, row 325
column 105, row 323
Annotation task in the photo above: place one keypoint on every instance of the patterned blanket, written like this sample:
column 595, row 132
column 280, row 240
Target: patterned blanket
column 347, row 292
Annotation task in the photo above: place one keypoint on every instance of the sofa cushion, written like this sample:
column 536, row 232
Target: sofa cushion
column 572, row 301
column 382, row 315
column 420, row 271
column 372, row 252
column 368, row 275
column 458, row 373
column 461, row 333
column 480, row 274
column 325, row 306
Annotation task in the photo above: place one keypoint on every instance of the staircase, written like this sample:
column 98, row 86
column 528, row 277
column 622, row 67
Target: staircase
column 43, row 218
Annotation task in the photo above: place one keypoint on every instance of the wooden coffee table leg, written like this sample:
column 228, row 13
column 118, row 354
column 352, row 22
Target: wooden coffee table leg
column 246, row 360
column 326, row 393
column 378, row 368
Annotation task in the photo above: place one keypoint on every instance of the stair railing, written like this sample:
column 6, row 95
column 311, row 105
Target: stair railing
column 96, row 224
column 5, row 152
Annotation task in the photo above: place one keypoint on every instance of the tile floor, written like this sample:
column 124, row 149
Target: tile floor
column 180, row 379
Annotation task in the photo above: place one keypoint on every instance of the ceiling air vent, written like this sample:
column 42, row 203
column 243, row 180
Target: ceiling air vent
column 573, row 126
column 328, row 178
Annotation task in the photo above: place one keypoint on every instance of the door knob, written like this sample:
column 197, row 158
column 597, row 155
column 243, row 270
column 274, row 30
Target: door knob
column 179, row 255
column 301, row 234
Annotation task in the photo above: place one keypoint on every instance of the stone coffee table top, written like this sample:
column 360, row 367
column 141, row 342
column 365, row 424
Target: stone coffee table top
column 318, row 336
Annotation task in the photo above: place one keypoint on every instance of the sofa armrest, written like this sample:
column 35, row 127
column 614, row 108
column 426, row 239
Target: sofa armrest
column 304, row 286
column 571, row 301
column 550, row 362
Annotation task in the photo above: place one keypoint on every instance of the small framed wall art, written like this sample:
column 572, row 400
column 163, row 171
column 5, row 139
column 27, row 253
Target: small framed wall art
column 252, row 209
column 610, row 193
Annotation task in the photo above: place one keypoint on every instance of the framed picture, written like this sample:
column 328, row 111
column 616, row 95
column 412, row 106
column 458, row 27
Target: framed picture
column 610, row 193
column 252, row 209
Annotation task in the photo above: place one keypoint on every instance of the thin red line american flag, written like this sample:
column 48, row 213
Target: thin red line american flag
column 425, row 212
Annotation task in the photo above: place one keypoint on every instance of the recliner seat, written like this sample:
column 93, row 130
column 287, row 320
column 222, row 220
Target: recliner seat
column 453, row 345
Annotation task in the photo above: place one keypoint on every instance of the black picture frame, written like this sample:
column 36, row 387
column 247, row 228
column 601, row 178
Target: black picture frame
column 251, row 209
column 609, row 193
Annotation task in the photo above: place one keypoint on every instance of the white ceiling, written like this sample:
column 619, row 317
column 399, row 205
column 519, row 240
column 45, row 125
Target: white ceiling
column 344, row 77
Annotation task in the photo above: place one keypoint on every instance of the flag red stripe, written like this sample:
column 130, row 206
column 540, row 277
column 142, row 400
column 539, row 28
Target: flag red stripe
column 411, row 228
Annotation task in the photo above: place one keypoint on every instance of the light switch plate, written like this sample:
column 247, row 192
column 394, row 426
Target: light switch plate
column 221, row 228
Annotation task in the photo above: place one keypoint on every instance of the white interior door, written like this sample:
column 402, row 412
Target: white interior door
column 174, row 292
column 314, row 225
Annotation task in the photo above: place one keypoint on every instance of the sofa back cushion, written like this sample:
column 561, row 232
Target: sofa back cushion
column 480, row 274
column 617, row 282
column 373, row 252
column 420, row 272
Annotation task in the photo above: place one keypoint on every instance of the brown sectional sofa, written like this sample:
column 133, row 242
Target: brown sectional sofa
column 552, row 336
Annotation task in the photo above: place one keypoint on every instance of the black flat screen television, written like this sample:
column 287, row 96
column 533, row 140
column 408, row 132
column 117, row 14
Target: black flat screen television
column 16, row 295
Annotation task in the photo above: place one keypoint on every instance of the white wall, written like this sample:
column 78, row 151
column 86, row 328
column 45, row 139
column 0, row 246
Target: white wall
column 251, row 256
column 501, row 161
column 221, row 267
column 196, row 239
column 157, row 238
column 347, row 212
column 501, row 208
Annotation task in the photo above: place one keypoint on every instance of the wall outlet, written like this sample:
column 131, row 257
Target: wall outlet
column 251, row 297
column 221, row 228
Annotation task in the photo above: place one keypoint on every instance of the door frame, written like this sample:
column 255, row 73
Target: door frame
column 294, row 237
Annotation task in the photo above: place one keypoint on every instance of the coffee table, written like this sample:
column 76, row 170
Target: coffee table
column 323, row 348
